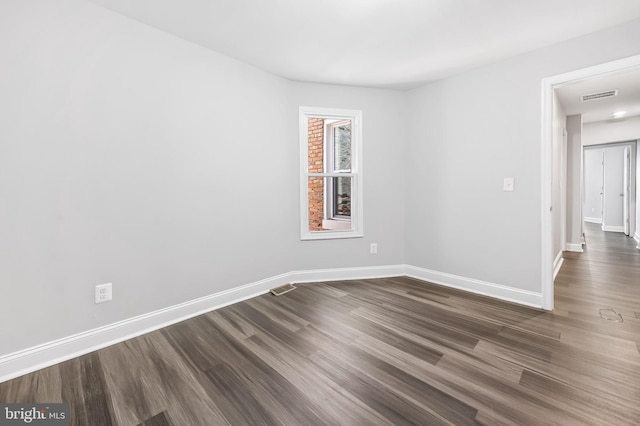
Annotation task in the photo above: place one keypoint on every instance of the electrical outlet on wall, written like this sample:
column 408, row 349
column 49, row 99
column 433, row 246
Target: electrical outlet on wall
column 103, row 293
column 373, row 248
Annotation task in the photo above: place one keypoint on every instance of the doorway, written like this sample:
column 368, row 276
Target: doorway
column 548, row 99
column 609, row 186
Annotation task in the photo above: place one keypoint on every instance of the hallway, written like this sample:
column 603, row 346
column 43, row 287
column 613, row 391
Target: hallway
column 605, row 276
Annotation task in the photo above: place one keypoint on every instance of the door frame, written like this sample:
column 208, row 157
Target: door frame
column 548, row 85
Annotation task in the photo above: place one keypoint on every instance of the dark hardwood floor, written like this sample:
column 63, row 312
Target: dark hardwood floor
column 377, row 352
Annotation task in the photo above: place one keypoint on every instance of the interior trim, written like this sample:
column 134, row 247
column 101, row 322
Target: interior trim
column 613, row 228
column 557, row 264
column 574, row 247
column 498, row 291
column 593, row 219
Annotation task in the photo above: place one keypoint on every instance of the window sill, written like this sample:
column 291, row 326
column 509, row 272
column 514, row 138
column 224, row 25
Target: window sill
column 336, row 225
column 331, row 235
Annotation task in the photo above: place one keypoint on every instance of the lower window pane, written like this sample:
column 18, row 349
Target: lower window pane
column 316, row 203
column 329, row 203
column 341, row 197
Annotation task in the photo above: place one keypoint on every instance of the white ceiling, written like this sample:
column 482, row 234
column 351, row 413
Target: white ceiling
column 377, row 43
column 628, row 99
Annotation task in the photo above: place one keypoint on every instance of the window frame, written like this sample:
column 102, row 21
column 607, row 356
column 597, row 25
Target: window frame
column 356, row 228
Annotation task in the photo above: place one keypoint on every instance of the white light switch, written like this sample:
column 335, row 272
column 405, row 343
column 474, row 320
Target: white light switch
column 508, row 184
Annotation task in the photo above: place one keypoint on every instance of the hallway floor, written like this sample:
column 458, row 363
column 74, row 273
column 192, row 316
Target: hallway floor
column 605, row 276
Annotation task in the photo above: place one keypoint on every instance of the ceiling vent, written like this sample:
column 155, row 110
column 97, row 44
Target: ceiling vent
column 599, row 95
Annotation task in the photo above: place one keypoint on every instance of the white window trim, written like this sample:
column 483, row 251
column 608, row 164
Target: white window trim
column 329, row 191
column 356, row 230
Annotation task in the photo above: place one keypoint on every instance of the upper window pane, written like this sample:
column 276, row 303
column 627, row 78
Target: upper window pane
column 316, row 144
column 342, row 146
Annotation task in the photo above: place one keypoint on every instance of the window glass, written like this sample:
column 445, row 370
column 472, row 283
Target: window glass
column 341, row 197
column 342, row 146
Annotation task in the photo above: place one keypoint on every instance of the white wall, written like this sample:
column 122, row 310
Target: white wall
column 558, row 170
column 611, row 131
column 574, row 182
column 636, row 235
column 384, row 130
column 130, row 156
column 593, row 184
column 466, row 133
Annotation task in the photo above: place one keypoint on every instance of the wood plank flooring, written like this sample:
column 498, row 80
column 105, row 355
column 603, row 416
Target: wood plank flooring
column 377, row 352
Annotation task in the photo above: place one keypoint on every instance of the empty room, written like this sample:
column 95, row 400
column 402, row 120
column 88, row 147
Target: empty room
column 244, row 212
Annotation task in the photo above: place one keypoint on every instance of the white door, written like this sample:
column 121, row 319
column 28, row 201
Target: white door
column 592, row 185
column 626, row 194
column 602, row 189
column 613, row 213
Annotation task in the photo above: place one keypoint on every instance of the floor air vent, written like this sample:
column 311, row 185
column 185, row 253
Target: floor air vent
column 279, row 291
column 599, row 95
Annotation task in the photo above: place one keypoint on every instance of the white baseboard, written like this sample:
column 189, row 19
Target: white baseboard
column 609, row 228
column 498, row 291
column 37, row 357
column 593, row 219
column 574, row 247
column 557, row 264
column 338, row 274
column 28, row 360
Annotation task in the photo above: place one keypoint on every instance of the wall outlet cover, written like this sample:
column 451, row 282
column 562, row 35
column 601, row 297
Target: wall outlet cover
column 103, row 293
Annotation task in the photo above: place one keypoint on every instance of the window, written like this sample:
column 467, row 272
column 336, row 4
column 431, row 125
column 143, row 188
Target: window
column 331, row 180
